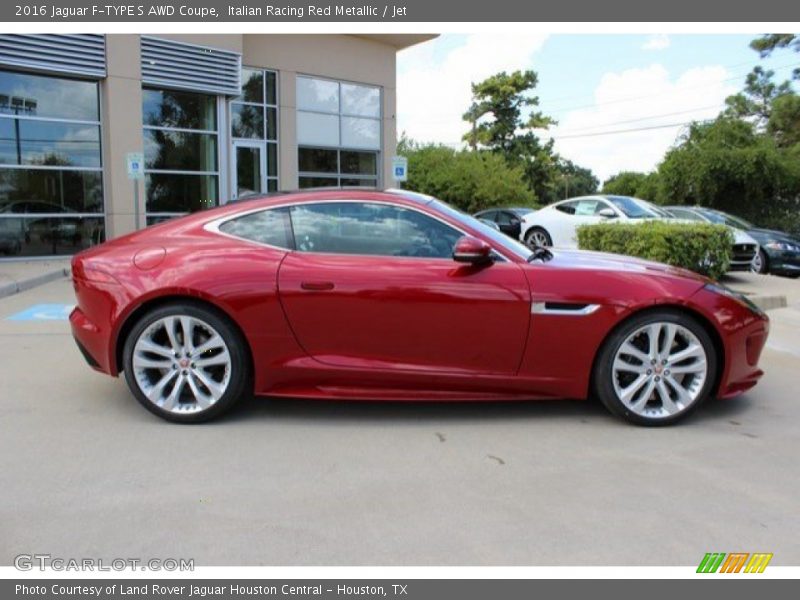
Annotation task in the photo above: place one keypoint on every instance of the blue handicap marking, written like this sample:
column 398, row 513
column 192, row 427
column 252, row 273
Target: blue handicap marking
column 399, row 171
column 43, row 312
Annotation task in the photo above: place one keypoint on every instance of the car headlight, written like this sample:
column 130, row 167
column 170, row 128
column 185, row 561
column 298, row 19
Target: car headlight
column 718, row 288
column 783, row 246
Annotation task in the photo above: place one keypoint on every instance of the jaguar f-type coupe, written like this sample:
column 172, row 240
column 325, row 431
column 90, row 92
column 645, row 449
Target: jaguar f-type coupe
column 392, row 295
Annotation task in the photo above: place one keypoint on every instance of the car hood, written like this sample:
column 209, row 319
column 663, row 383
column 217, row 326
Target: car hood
column 603, row 261
column 773, row 235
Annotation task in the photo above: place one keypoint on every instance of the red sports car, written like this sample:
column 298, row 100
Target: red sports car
column 397, row 296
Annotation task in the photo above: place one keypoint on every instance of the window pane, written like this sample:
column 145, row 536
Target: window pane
column 252, row 86
column 361, row 100
column 268, row 227
column 359, row 163
column 49, row 143
column 371, row 183
column 247, row 121
column 180, row 193
column 317, row 160
column 187, row 110
column 248, row 170
column 45, row 236
column 361, row 133
column 50, row 191
column 180, row 151
column 272, row 124
column 313, row 182
column 314, row 129
column 317, row 94
column 370, row 229
column 272, row 88
column 272, row 185
column 272, row 160
column 40, row 96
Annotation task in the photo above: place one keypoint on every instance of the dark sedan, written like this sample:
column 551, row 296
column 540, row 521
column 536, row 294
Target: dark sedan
column 508, row 220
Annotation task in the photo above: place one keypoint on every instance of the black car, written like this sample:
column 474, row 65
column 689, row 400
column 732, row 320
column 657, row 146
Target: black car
column 778, row 253
column 508, row 220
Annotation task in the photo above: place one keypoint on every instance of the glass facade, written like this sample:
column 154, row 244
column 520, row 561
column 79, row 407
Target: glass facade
column 51, row 173
column 338, row 133
column 254, row 117
column 181, row 152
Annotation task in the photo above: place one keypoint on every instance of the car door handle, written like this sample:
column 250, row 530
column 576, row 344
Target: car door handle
column 317, row 286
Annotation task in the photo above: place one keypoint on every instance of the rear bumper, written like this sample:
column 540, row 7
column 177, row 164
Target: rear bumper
column 91, row 341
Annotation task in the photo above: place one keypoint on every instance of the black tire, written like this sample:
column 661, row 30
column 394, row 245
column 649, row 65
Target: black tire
column 239, row 383
column 764, row 265
column 602, row 376
column 540, row 230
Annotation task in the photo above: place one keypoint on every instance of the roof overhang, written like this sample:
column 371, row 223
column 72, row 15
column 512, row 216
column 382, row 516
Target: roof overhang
column 400, row 40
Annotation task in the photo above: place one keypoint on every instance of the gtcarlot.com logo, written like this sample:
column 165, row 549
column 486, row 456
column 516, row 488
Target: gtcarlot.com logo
column 735, row 562
column 29, row 562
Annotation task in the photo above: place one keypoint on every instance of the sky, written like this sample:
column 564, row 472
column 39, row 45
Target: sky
column 595, row 86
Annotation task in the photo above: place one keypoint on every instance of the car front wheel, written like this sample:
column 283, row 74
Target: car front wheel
column 185, row 363
column 656, row 368
column 760, row 263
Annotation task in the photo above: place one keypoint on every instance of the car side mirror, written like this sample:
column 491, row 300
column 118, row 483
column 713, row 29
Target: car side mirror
column 607, row 213
column 472, row 250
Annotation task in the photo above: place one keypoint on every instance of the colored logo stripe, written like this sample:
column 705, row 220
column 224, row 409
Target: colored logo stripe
column 734, row 562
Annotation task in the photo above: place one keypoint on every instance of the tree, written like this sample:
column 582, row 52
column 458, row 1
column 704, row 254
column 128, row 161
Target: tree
column 784, row 121
column 756, row 100
column 575, row 180
column 632, row 183
column 726, row 164
column 766, row 44
column 471, row 181
column 504, row 97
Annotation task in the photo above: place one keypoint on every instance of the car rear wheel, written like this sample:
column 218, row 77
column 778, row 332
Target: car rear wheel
column 185, row 363
column 656, row 368
column 760, row 263
column 537, row 236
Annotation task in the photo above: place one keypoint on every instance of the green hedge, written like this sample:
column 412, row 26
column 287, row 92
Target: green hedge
column 701, row 247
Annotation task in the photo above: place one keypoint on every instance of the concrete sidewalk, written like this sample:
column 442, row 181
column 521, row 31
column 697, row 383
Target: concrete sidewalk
column 767, row 291
column 24, row 275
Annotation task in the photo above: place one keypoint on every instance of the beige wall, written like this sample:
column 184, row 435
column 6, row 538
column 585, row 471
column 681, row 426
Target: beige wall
column 358, row 59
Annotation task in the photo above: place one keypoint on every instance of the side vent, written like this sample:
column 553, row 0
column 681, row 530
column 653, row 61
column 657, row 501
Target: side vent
column 563, row 308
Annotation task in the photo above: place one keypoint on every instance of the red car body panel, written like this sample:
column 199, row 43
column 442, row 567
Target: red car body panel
column 344, row 326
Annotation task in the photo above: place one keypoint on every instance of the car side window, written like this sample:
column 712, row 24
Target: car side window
column 601, row 205
column 489, row 215
column 370, row 229
column 586, row 207
column 567, row 207
column 506, row 218
column 685, row 214
column 269, row 226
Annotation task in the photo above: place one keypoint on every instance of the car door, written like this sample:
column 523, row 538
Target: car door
column 586, row 213
column 509, row 223
column 373, row 285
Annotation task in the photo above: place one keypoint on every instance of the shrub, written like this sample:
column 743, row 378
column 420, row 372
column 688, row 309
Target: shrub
column 701, row 247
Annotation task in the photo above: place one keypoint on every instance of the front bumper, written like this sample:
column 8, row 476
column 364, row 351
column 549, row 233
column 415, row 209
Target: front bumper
column 743, row 351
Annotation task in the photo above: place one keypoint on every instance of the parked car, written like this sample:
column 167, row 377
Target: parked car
column 779, row 252
column 557, row 224
column 398, row 296
column 11, row 235
column 508, row 220
column 745, row 247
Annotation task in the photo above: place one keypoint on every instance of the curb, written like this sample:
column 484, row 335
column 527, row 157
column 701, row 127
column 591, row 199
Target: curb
column 15, row 287
column 769, row 302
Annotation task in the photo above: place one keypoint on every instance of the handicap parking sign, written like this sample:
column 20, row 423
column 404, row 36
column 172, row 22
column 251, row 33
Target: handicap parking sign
column 43, row 312
column 400, row 168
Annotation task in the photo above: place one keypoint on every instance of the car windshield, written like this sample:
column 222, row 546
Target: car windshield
column 655, row 209
column 522, row 211
column 633, row 208
column 497, row 237
column 711, row 215
column 732, row 221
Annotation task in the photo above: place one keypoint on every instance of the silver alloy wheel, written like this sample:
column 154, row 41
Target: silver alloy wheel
column 181, row 364
column 757, row 264
column 538, row 237
column 659, row 370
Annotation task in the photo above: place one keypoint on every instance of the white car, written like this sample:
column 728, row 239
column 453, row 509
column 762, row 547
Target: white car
column 557, row 224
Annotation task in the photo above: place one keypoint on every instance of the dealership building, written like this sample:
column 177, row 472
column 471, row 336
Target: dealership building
column 214, row 116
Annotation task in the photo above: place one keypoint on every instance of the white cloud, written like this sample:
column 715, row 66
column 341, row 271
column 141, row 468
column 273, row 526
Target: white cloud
column 656, row 42
column 433, row 91
column 637, row 99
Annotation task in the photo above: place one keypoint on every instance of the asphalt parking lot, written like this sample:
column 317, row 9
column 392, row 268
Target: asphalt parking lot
column 87, row 472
